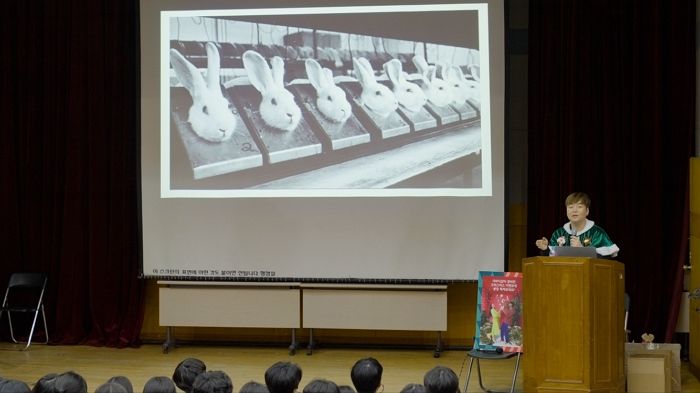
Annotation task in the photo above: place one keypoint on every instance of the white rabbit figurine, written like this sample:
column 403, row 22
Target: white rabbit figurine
column 210, row 115
column 331, row 100
column 436, row 89
column 462, row 88
column 277, row 107
column 376, row 97
column 410, row 96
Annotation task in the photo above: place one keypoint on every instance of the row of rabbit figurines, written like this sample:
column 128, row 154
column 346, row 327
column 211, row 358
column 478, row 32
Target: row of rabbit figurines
column 383, row 91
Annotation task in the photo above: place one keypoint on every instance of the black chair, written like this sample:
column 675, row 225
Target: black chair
column 25, row 294
column 478, row 355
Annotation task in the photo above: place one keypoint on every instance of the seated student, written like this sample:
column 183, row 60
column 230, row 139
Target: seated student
column 45, row 384
column 212, row 382
column 70, row 382
column 321, row 386
column 579, row 231
column 283, row 377
column 366, row 375
column 124, row 381
column 441, row 380
column 186, row 372
column 110, row 387
column 13, row 386
column 413, row 388
column 159, row 385
column 254, row 387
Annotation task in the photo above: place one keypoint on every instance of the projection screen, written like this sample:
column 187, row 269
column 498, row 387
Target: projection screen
column 332, row 141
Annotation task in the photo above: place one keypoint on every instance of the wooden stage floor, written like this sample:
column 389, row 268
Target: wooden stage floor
column 244, row 364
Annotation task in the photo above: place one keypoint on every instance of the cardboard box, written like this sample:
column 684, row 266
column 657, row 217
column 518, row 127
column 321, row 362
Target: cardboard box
column 636, row 349
column 649, row 372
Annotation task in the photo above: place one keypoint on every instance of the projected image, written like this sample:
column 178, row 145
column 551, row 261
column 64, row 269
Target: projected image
column 325, row 101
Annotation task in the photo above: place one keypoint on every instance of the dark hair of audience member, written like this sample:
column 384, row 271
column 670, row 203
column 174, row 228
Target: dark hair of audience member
column 212, row 382
column 346, row 389
column 186, row 372
column 366, row 375
column 441, row 380
column 159, row 385
column 321, row 386
column 124, row 381
column 45, row 384
column 13, row 386
column 283, row 377
column 70, row 382
column 110, row 387
column 253, row 387
column 413, row 388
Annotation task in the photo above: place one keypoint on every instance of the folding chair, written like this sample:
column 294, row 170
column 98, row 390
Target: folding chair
column 478, row 355
column 25, row 294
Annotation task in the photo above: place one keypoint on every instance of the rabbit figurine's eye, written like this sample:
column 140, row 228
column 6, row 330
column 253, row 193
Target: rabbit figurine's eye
column 378, row 93
column 329, row 98
column 205, row 110
column 441, row 88
column 409, row 90
column 273, row 101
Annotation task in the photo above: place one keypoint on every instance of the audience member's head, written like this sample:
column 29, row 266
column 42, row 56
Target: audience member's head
column 70, row 382
column 254, row 387
column 45, row 384
column 366, row 375
column 110, row 387
column 413, row 388
column 159, row 385
column 283, row 377
column 321, row 386
column 186, row 372
column 441, row 380
column 14, row 386
column 346, row 389
column 124, row 381
column 212, row 382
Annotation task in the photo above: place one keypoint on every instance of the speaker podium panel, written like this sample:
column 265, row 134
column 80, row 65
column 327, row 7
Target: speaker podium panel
column 573, row 318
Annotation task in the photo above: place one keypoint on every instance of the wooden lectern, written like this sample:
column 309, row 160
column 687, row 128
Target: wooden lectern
column 573, row 325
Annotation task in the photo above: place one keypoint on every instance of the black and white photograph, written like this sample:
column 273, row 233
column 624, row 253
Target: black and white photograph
column 325, row 101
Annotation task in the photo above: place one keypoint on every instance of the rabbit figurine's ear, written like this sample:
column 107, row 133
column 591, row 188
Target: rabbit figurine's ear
column 421, row 64
column 315, row 74
column 188, row 75
column 328, row 80
column 368, row 66
column 277, row 70
column 361, row 72
column 213, row 68
column 258, row 71
column 393, row 71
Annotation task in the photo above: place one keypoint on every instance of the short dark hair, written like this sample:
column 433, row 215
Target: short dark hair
column 14, row 386
column 70, row 382
column 110, row 387
column 413, row 388
column 253, row 387
column 576, row 197
column 346, row 389
column 45, row 384
column 159, row 385
column 321, row 386
column 283, row 377
column 212, row 382
column 366, row 375
column 186, row 372
column 124, row 381
column 441, row 380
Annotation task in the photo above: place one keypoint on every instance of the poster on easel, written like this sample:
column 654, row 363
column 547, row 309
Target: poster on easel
column 499, row 319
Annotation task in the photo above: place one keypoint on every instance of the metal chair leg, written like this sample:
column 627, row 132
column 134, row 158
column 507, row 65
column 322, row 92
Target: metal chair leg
column 469, row 374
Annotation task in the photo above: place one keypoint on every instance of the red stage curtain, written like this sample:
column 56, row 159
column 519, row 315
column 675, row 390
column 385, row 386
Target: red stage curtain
column 69, row 169
column 612, row 113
